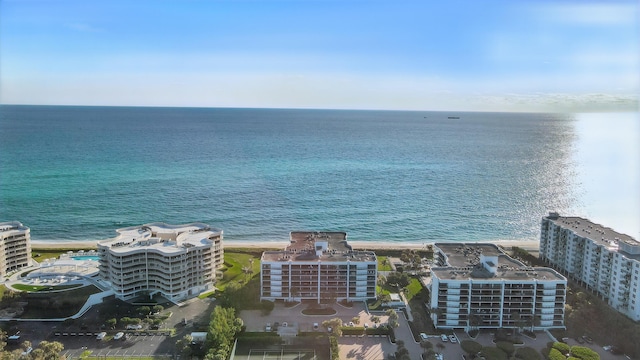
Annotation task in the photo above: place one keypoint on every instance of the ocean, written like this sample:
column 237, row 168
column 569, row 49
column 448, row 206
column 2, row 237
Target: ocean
column 80, row 173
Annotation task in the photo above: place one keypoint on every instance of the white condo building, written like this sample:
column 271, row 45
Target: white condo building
column 603, row 260
column 318, row 266
column 15, row 246
column 176, row 261
column 478, row 286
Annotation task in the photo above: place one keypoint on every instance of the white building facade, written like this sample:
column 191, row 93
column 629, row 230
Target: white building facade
column 175, row 261
column 15, row 246
column 601, row 259
column 319, row 266
column 477, row 286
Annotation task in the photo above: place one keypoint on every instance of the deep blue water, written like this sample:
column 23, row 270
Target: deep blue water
column 77, row 173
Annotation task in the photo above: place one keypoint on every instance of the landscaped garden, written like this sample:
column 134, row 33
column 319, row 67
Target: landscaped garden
column 239, row 267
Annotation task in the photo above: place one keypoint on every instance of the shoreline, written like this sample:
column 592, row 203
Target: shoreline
column 529, row 245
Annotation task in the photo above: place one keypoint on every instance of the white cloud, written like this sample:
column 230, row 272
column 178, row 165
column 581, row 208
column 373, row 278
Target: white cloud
column 608, row 14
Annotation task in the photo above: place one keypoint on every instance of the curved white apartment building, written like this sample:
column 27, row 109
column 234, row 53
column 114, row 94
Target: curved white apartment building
column 603, row 260
column 15, row 246
column 176, row 261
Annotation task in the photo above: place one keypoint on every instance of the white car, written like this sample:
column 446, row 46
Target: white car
column 101, row 335
column 444, row 338
column 118, row 336
column 423, row 336
column 453, row 338
column 134, row 327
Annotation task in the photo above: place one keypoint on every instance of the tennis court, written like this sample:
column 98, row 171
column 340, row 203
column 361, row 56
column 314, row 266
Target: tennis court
column 282, row 354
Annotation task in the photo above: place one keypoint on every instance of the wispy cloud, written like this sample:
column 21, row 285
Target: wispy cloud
column 608, row 14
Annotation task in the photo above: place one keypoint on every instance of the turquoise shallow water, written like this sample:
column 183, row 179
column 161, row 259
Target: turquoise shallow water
column 78, row 173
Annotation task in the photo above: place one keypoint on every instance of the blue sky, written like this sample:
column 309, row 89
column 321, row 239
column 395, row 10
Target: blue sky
column 428, row 55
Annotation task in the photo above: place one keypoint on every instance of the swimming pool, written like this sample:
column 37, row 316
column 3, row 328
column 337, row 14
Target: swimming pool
column 86, row 257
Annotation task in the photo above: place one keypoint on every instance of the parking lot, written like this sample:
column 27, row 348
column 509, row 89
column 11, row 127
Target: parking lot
column 140, row 344
column 80, row 335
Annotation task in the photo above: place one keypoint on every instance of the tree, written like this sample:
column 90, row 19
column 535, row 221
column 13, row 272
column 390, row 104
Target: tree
column 50, row 350
column 527, row 353
column 382, row 280
column 426, row 345
column 393, row 318
column 493, row 353
column 111, row 323
column 248, row 271
column 506, row 346
column 470, row 347
column 375, row 319
column 335, row 324
column 183, row 346
column 293, row 293
column 401, row 351
column 144, row 310
column 3, row 339
column 384, row 298
column 474, row 321
column 534, row 321
column 519, row 321
column 356, row 320
column 157, row 309
column 267, row 306
column 399, row 280
column 223, row 328
column 583, row 353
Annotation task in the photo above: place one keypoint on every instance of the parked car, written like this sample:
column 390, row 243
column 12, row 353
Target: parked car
column 134, row 327
column 444, row 338
column 101, row 336
column 118, row 336
column 588, row 339
column 423, row 336
column 453, row 338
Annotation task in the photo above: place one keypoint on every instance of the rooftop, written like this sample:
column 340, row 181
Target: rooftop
column 464, row 261
column 163, row 237
column 597, row 233
column 12, row 226
column 318, row 245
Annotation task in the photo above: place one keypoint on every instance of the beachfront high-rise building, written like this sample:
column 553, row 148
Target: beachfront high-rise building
column 176, row 261
column 478, row 286
column 603, row 260
column 319, row 266
column 15, row 246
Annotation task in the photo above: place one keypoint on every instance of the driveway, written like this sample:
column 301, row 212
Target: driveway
column 255, row 320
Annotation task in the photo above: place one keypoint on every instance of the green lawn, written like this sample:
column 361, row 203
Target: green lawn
column 35, row 288
column 413, row 289
column 383, row 264
column 234, row 262
column 44, row 254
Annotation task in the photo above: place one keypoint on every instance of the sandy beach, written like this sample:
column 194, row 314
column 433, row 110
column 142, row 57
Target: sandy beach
column 532, row 245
